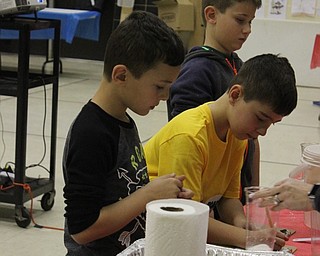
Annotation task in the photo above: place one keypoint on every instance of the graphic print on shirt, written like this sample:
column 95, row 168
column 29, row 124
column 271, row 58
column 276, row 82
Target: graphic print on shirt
column 132, row 185
column 134, row 182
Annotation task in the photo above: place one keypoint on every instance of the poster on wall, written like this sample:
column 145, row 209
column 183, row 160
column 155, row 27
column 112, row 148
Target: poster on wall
column 318, row 8
column 303, row 7
column 277, row 9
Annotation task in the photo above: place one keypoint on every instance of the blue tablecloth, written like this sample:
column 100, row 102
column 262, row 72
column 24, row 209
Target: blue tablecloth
column 74, row 23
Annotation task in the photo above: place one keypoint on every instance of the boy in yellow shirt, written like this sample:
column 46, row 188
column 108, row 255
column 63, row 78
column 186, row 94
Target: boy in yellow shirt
column 208, row 69
column 207, row 143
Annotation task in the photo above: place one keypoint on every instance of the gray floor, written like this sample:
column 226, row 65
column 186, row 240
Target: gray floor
column 280, row 148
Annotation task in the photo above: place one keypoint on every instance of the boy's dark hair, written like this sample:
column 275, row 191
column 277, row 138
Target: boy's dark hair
column 222, row 5
column 269, row 79
column 141, row 42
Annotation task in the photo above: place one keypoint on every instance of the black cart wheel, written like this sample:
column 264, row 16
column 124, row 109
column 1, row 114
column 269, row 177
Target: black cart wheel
column 22, row 217
column 47, row 201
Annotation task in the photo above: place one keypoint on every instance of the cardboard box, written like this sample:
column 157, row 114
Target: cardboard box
column 197, row 36
column 178, row 14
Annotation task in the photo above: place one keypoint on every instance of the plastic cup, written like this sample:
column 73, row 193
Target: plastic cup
column 311, row 161
column 261, row 223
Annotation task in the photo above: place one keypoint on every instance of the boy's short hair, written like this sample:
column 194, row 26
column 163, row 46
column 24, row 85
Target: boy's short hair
column 269, row 79
column 222, row 5
column 141, row 42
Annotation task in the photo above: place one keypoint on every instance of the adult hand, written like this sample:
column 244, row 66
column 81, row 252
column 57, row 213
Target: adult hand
column 289, row 194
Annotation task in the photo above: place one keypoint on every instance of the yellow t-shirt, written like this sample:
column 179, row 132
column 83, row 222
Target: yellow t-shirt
column 188, row 145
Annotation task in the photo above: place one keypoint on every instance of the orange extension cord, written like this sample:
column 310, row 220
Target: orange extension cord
column 28, row 189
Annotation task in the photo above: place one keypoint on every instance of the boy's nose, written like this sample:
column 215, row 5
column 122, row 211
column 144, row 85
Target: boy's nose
column 247, row 29
column 262, row 131
column 164, row 95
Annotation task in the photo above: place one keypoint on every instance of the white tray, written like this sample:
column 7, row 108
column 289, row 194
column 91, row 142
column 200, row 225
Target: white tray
column 137, row 249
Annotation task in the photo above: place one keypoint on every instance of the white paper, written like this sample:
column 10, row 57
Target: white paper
column 303, row 7
column 176, row 227
column 61, row 10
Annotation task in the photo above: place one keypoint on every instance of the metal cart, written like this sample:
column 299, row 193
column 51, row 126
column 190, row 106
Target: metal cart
column 18, row 87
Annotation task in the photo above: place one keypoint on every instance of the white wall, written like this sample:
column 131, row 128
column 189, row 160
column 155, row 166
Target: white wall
column 292, row 39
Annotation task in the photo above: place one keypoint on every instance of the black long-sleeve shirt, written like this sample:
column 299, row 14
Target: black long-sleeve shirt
column 103, row 163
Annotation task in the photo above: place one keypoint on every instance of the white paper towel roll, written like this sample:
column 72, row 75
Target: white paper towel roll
column 176, row 227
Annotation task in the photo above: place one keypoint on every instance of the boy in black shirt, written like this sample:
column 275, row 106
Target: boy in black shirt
column 107, row 184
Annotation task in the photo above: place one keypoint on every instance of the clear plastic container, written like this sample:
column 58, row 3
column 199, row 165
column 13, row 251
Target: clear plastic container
column 311, row 163
column 308, row 170
column 311, row 158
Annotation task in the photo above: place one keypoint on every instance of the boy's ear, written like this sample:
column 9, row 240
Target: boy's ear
column 119, row 73
column 210, row 13
column 235, row 93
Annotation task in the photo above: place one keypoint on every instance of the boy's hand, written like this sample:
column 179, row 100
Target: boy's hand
column 168, row 186
column 280, row 241
column 185, row 192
